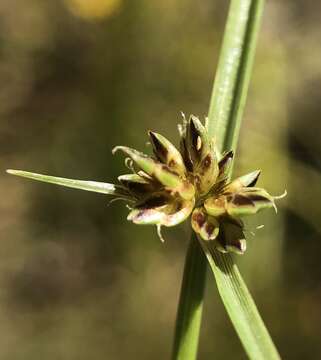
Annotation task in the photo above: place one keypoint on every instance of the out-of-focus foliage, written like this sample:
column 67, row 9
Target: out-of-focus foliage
column 93, row 9
column 79, row 282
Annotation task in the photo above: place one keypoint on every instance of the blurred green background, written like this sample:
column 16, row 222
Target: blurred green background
column 77, row 281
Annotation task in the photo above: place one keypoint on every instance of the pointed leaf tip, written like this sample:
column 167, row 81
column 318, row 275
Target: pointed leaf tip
column 225, row 161
column 167, row 153
column 94, row 186
column 248, row 180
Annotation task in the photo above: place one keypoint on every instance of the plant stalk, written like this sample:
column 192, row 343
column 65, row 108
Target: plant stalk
column 190, row 306
column 234, row 72
column 225, row 114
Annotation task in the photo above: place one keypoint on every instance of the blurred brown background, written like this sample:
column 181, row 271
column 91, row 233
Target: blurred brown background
column 77, row 281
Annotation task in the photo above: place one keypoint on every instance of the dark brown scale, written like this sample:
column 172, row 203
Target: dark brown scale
column 186, row 157
column 159, row 150
column 241, row 200
column 172, row 163
column 229, row 155
column 209, row 228
column 153, row 202
column 221, row 238
column 194, row 134
column 138, row 188
column 199, row 218
column 254, row 181
column 258, row 198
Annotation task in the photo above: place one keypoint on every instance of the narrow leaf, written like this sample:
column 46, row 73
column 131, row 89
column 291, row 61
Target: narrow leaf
column 240, row 305
column 94, row 186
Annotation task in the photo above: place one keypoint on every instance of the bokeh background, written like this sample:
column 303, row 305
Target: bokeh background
column 77, row 281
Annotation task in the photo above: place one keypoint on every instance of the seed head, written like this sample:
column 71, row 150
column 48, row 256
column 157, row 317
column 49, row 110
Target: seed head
column 172, row 184
column 166, row 188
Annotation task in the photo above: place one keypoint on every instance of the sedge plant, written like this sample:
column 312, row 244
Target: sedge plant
column 194, row 182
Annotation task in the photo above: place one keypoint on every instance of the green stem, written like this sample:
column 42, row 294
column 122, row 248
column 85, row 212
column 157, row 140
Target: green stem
column 190, row 307
column 234, row 71
column 225, row 114
column 226, row 111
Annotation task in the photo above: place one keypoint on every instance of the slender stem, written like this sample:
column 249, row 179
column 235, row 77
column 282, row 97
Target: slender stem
column 225, row 114
column 234, row 71
column 190, row 307
column 226, row 110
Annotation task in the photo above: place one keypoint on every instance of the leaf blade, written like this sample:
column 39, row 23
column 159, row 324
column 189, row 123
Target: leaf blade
column 240, row 305
column 93, row 186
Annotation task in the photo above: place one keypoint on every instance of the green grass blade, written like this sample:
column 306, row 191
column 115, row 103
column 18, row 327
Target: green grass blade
column 226, row 110
column 93, row 186
column 234, row 71
column 240, row 306
column 190, row 307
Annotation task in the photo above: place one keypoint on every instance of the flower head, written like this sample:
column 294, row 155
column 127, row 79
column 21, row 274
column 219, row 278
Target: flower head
column 166, row 188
